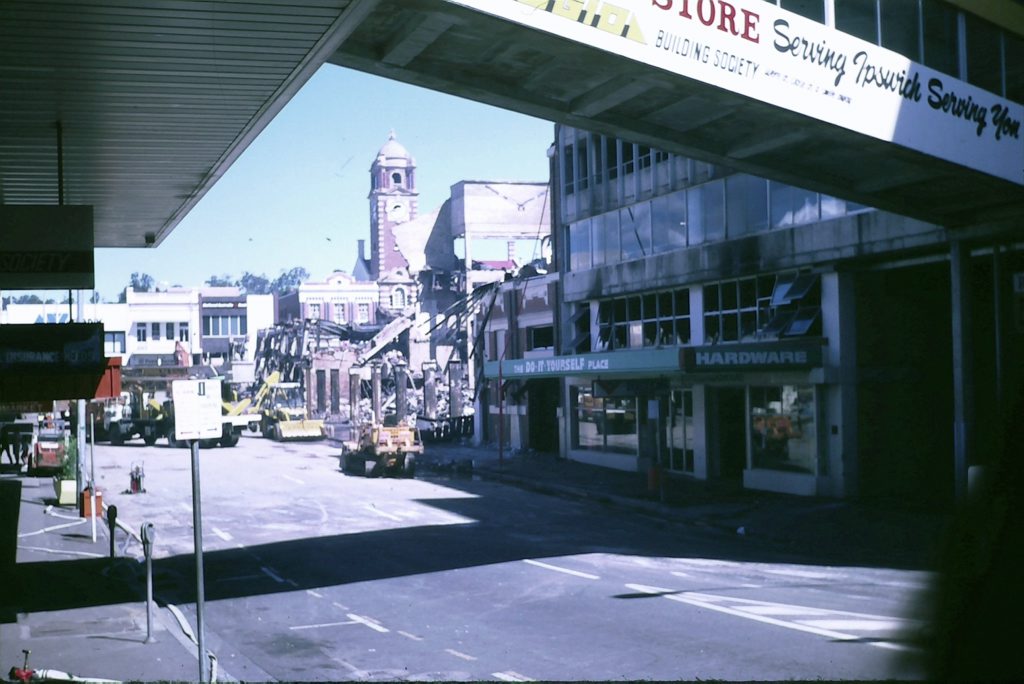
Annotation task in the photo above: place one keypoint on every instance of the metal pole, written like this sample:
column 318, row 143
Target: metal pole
column 197, row 528
column 92, row 476
column 149, row 600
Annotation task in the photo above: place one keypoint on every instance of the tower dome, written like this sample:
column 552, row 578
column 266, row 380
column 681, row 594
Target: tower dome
column 393, row 152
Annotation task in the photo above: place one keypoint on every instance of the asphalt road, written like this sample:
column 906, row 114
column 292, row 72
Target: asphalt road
column 316, row 575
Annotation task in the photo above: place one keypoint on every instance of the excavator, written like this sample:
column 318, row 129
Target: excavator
column 281, row 408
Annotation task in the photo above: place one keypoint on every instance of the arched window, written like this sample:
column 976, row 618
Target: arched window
column 398, row 299
column 396, row 178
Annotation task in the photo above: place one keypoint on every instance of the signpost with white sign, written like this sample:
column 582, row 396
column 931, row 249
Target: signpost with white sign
column 197, row 415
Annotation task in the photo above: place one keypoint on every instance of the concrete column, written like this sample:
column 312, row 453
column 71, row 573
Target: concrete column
column 375, row 371
column 430, row 389
column 401, row 385
column 963, row 373
column 455, row 388
column 354, row 394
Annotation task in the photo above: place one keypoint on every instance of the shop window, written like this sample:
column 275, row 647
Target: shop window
column 783, row 434
column 604, row 423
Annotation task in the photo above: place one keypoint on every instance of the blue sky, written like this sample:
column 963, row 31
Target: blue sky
column 306, row 179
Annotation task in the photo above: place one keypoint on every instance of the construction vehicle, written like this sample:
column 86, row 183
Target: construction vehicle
column 281, row 407
column 387, row 448
column 137, row 413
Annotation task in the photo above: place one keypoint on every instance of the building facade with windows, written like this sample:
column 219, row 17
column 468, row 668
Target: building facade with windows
column 727, row 327
column 207, row 324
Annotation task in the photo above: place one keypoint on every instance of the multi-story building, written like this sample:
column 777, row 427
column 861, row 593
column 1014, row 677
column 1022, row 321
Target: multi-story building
column 149, row 328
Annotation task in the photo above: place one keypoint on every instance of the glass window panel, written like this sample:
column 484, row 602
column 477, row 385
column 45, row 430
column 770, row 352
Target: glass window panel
column 579, row 246
column 711, row 329
column 650, row 306
column 155, row 330
column 858, row 18
column 803, row 322
column 832, row 207
column 612, row 249
column 665, row 309
column 901, row 28
column 711, row 298
column 598, row 246
column 941, row 43
column 636, row 231
column 747, row 204
column 730, row 295
column 567, row 169
column 812, row 9
column 984, row 54
column 683, row 334
column 1013, row 47
column 634, row 311
column 620, row 426
column 792, row 206
column 636, row 334
column 682, row 300
column 705, row 211
column 783, row 433
column 748, row 293
column 730, row 327
column 651, row 337
column 611, row 146
column 748, row 325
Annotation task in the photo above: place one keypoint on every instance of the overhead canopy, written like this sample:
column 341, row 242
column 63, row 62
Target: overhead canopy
column 149, row 103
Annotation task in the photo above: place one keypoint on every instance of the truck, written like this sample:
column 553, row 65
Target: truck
column 137, row 413
column 379, row 449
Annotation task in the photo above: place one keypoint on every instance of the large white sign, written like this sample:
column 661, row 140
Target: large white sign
column 759, row 50
column 197, row 409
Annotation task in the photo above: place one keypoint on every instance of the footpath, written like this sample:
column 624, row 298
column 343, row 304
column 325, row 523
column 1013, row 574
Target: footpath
column 77, row 610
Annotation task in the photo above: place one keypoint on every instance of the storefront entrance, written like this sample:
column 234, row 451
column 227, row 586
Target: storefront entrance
column 542, row 407
column 727, row 428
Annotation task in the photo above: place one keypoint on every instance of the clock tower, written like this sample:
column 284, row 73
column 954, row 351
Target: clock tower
column 393, row 201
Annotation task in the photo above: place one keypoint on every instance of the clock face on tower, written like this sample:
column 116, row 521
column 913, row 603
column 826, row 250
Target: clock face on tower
column 397, row 210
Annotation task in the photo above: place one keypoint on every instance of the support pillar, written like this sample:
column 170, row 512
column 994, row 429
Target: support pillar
column 963, row 372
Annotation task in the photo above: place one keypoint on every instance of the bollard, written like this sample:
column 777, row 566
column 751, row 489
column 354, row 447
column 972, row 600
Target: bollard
column 112, row 524
column 148, row 534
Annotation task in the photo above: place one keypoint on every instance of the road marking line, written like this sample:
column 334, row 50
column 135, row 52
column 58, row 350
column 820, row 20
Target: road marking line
column 293, row 479
column 272, row 575
column 323, row 624
column 239, row 578
column 713, row 602
column 410, row 636
column 338, row 605
column 864, row 625
column 459, row 654
column 387, row 515
column 372, row 624
column 222, row 534
column 567, row 571
column 511, row 677
column 314, row 594
column 781, row 609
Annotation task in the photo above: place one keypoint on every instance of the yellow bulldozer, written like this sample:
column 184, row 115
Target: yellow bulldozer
column 281, row 407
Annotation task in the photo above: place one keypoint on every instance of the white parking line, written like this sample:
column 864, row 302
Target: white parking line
column 293, row 479
column 372, row 624
column 314, row 594
column 323, row 624
column 410, row 636
column 459, row 654
column 760, row 611
column 222, row 534
column 511, row 677
column 567, row 571
column 385, row 514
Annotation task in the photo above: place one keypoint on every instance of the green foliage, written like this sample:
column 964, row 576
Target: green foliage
column 142, row 282
column 69, row 470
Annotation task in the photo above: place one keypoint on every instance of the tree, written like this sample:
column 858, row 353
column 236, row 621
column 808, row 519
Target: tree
column 289, row 280
column 221, row 281
column 142, row 282
column 95, row 298
column 254, row 284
